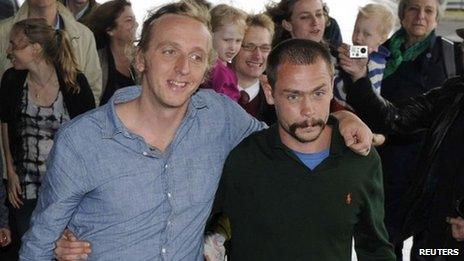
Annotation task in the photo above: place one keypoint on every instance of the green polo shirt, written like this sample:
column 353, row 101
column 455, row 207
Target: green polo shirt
column 281, row 210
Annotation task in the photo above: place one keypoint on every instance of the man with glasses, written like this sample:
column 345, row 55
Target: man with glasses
column 250, row 64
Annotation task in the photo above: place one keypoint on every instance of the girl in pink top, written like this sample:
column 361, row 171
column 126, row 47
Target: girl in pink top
column 228, row 24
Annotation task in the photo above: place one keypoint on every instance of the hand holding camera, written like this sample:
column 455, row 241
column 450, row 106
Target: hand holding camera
column 353, row 60
column 358, row 51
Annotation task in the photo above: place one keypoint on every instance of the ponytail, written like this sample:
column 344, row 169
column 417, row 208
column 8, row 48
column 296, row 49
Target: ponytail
column 65, row 61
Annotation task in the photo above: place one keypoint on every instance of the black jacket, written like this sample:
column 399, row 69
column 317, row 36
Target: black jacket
column 434, row 111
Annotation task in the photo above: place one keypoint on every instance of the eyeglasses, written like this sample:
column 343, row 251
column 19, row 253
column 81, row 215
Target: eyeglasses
column 251, row 48
column 20, row 46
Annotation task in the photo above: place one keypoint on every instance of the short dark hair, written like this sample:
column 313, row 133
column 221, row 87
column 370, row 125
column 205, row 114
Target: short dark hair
column 297, row 51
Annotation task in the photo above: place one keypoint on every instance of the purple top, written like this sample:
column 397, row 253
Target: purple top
column 223, row 80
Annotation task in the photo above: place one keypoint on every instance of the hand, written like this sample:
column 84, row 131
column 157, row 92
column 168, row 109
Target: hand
column 457, row 227
column 14, row 190
column 69, row 248
column 214, row 249
column 358, row 137
column 357, row 68
column 378, row 139
column 5, row 237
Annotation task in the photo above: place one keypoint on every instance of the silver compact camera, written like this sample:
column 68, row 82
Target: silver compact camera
column 358, row 51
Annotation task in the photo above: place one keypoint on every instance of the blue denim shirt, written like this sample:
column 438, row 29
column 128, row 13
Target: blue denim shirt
column 129, row 200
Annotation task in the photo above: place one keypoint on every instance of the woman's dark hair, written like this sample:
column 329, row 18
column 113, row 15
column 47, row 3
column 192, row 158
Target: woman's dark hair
column 103, row 18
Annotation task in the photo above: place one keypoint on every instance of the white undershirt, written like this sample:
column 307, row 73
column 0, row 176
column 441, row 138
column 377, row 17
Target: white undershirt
column 252, row 91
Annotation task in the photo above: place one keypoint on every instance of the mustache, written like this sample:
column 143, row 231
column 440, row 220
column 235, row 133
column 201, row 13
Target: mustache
column 307, row 123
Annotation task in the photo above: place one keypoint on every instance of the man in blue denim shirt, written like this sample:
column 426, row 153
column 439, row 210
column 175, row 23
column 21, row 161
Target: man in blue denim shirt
column 137, row 177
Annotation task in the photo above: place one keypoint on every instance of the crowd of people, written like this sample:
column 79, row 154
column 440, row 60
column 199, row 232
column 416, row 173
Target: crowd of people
column 220, row 133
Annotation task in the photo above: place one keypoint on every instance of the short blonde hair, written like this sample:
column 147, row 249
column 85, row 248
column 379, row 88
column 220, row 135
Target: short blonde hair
column 261, row 20
column 187, row 8
column 383, row 13
column 225, row 14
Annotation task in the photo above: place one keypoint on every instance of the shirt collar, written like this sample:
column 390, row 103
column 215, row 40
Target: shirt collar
column 81, row 12
column 114, row 125
column 252, row 91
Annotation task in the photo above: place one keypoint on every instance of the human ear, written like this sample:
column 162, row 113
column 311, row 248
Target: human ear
column 267, row 89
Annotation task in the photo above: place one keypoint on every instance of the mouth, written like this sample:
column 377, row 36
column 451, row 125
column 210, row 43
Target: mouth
column 230, row 55
column 177, row 85
column 315, row 31
column 253, row 64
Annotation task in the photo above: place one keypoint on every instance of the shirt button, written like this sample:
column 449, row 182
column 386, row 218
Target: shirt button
column 166, row 166
column 169, row 195
column 144, row 153
column 163, row 250
column 169, row 223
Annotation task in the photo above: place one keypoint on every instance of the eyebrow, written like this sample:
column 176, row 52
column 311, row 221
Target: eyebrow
column 308, row 13
column 322, row 86
column 178, row 46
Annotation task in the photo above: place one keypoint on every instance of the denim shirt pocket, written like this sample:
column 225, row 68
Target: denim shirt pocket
column 204, row 176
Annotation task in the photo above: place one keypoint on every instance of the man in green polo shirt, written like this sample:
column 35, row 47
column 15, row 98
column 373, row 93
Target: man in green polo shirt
column 295, row 191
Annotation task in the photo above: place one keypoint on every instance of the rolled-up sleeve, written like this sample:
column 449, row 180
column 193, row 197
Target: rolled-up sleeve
column 62, row 189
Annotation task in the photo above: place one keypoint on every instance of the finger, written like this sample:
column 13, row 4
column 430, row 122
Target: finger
column 360, row 148
column 72, row 244
column 68, row 235
column 455, row 221
column 19, row 192
column 12, row 200
column 18, row 188
column 72, row 257
column 16, row 199
column 63, row 251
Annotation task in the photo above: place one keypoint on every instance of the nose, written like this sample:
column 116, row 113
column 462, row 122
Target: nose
column 182, row 65
column 257, row 53
column 307, row 108
column 421, row 13
column 313, row 20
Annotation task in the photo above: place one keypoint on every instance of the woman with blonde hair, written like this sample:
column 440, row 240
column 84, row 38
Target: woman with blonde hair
column 42, row 91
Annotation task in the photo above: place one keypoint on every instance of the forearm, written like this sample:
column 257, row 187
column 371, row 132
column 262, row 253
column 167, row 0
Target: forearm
column 378, row 113
column 51, row 216
column 6, row 151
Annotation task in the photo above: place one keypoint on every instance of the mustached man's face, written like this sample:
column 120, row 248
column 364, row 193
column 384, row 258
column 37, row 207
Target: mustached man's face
column 301, row 95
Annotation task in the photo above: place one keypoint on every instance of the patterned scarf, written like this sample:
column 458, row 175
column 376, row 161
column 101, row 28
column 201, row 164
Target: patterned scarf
column 397, row 56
